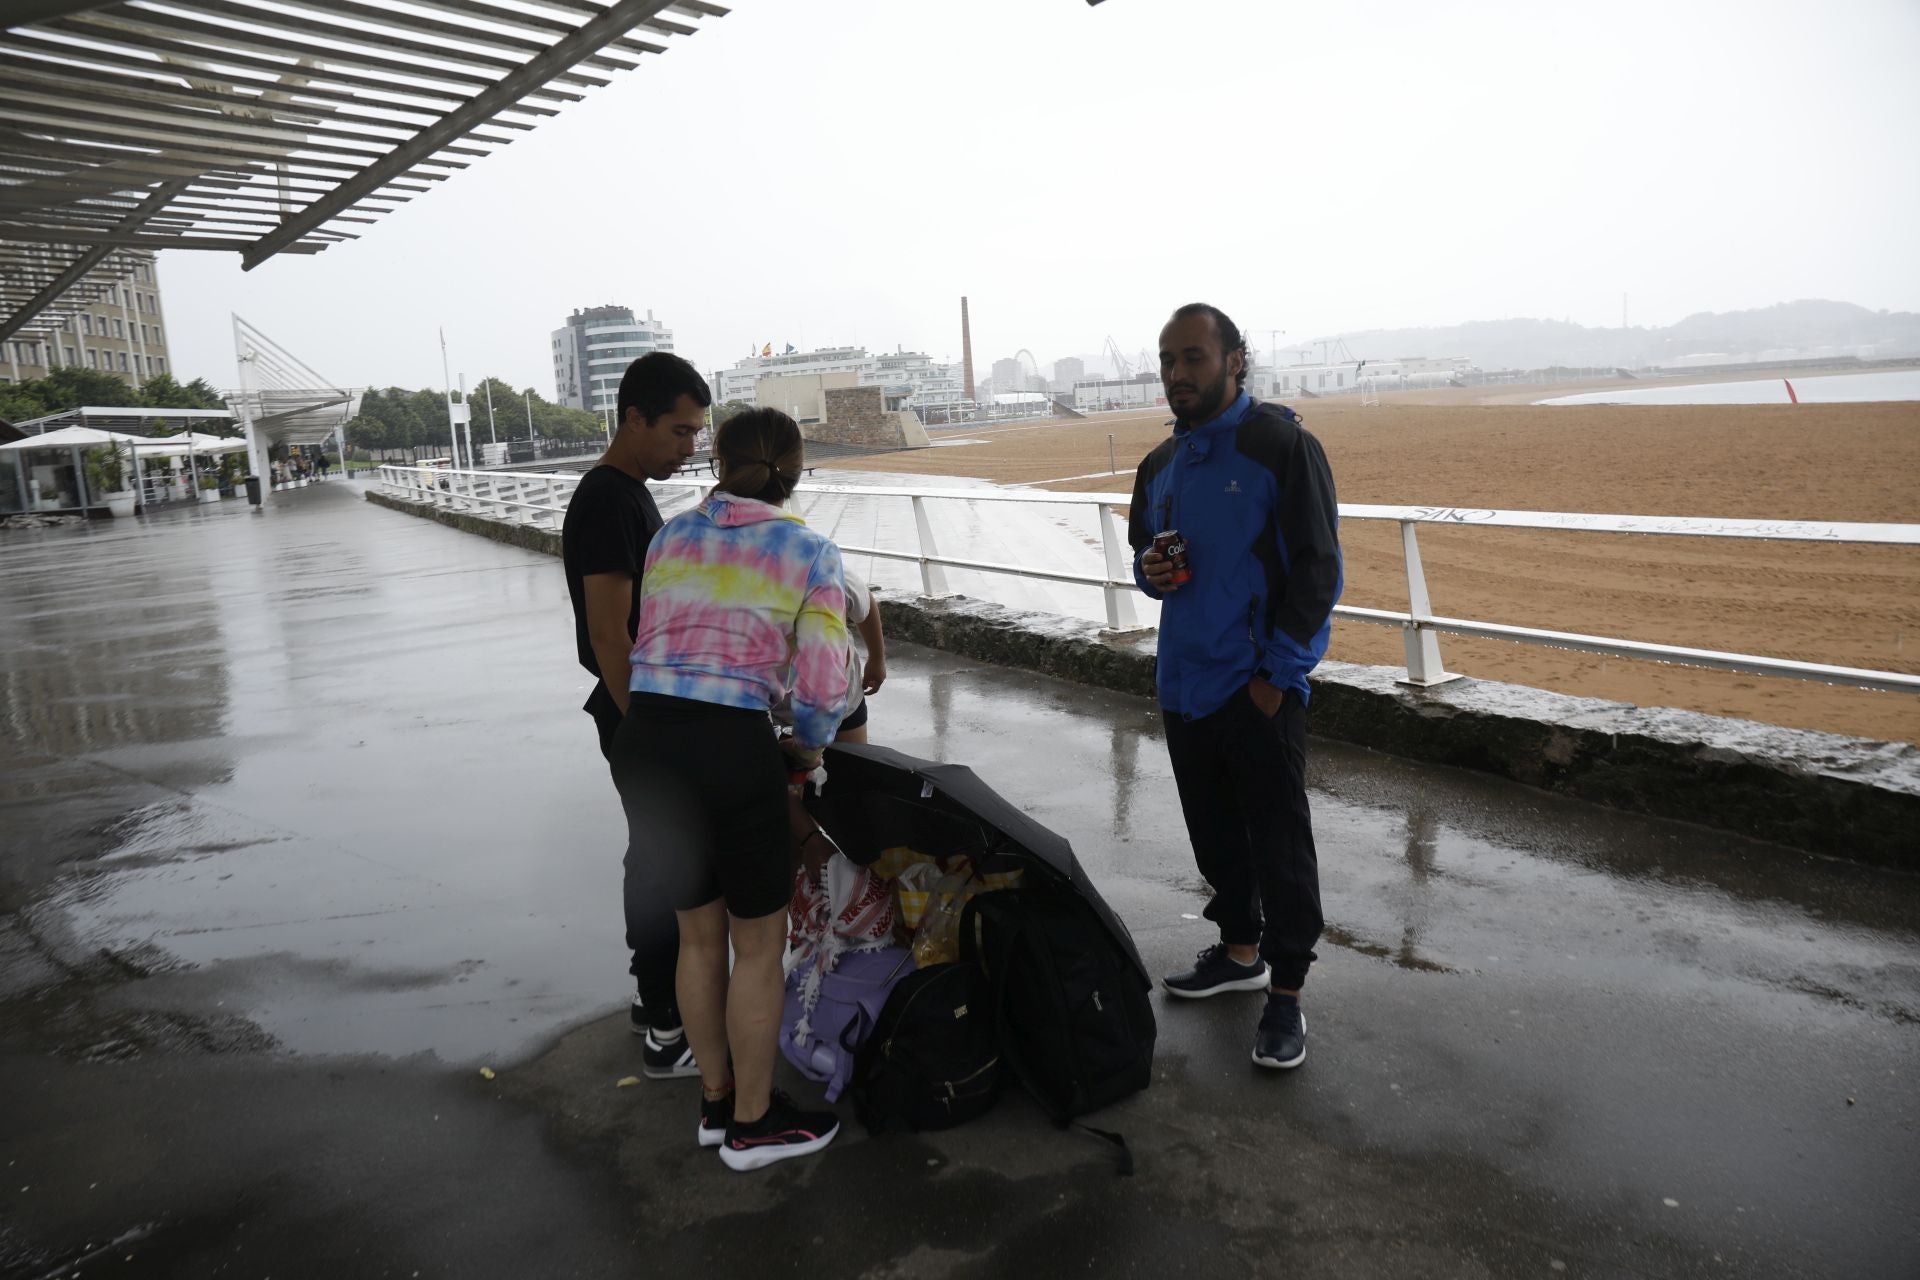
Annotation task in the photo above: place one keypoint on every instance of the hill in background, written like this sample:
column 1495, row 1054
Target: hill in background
column 1806, row 330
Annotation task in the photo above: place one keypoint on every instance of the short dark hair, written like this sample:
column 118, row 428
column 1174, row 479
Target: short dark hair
column 654, row 383
column 1231, row 339
column 762, row 452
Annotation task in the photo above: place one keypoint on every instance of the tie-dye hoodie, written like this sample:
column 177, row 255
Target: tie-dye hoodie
column 740, row 605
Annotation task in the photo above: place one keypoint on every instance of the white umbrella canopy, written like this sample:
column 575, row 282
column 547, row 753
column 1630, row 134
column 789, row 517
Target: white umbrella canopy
column 67, row 437
column 184, row 443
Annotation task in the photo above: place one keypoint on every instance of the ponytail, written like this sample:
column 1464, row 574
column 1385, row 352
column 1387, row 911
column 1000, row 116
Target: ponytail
column 761, row 453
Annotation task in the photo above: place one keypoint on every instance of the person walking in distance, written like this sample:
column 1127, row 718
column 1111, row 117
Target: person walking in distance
column 610, row 522
column 1234, row 528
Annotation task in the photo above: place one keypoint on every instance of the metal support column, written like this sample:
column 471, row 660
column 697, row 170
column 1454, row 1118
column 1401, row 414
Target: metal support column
column 1120, row 615
column 1424, row 668
column 933, row 577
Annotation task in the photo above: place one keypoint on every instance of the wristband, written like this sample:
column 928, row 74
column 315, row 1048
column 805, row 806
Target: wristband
column 798, row 777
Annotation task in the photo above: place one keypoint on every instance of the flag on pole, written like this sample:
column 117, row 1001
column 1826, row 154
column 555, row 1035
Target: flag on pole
column 788, row 351
column 767, row 350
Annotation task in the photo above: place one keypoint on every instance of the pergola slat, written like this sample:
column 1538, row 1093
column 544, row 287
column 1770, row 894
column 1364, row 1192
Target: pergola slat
column 266, row 126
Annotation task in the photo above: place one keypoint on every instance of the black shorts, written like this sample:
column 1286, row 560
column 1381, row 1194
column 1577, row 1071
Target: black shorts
column 705, row 790
column 858, row 718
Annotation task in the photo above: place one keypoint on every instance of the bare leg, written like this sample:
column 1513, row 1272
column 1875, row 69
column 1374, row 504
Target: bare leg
column 857, row 734
column 701, row 981
column 754, row 998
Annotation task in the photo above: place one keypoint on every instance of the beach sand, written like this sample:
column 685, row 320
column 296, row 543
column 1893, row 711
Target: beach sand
column 1847, row 605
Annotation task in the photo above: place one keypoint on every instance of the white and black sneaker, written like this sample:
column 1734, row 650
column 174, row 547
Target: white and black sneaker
column 1214, row 971
column 667, row 1055
column 715, row 1115
column 1281, row 1041
column 781, row 1134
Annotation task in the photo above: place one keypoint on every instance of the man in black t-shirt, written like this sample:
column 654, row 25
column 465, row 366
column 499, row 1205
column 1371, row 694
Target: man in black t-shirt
column 610, row 520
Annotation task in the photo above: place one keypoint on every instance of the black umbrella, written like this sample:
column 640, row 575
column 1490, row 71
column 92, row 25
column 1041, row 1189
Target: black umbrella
column 878, row 799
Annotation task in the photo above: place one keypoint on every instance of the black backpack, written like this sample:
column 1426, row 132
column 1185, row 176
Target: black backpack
column 1071, row 1010
column 932, row 1060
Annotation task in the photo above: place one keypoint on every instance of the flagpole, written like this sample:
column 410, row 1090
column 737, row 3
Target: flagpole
column 446, row 380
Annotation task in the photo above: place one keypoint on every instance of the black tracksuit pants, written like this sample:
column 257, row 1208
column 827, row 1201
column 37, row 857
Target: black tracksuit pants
column 653, row 933
column 1243, row 787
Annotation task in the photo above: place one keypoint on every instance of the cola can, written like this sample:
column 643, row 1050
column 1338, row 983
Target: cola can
column 1174, row 548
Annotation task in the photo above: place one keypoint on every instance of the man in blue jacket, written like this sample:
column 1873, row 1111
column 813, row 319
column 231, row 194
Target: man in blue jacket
column 1250, row 494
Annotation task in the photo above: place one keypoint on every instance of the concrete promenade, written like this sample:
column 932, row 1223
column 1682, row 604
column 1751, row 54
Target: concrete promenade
column 300, row 827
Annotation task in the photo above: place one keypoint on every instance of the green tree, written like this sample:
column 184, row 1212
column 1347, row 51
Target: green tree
column 20, row 402
column 69, row 387
column 161, row 391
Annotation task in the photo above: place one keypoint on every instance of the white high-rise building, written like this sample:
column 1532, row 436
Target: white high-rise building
column 593, row 349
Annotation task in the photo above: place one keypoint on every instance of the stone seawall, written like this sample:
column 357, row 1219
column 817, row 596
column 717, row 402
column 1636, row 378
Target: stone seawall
column 1849, row 797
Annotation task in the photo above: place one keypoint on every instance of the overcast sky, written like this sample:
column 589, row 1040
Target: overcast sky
column 840, row 171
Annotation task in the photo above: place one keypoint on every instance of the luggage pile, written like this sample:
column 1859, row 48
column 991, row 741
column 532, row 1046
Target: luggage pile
column 950, row 944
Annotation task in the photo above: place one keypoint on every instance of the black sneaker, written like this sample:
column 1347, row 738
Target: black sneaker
column 781, row 1134
column 715, row 1116
column 667, row 1055
column 1281, row 1041
column 1215, row 971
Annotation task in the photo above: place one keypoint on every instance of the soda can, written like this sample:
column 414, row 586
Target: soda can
column 1174, row 548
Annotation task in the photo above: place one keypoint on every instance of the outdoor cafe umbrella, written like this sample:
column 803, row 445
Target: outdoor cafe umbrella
column 877, row 799
column 70, row 438
column 67, row 437
column 188, row 445
column 187, row 442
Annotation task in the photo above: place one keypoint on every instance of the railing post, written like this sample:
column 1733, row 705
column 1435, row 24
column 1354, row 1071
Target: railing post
column 553, row 512
column 933, row 577
column 1120, row 615
column 1424, row 668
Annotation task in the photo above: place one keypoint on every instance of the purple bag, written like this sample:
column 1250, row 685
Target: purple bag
column 820, row 1043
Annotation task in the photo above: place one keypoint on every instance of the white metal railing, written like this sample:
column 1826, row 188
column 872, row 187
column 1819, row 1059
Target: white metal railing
column 540, row 497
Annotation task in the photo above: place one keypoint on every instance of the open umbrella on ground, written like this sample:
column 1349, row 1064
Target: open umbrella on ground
column 878, row 799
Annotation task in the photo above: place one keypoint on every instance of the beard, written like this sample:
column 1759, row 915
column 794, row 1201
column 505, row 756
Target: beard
column 1207, row 402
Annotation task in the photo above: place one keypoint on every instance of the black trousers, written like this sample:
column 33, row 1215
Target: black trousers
column 1243, row 788
column 653, row 935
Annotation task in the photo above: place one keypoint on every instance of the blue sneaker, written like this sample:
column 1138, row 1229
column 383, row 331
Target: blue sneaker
column 1215, row 971
column 1281, row 1041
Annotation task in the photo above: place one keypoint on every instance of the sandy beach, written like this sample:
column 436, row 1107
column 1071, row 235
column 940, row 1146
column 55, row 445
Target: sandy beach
column 1846, row 605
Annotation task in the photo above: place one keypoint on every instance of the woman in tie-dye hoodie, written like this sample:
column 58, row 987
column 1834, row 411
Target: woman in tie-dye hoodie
column 741, row 605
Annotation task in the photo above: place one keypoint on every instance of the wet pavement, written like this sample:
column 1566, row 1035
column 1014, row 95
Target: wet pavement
column 300, row 827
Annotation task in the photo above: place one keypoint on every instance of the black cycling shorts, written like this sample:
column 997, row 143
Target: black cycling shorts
column 705, row 791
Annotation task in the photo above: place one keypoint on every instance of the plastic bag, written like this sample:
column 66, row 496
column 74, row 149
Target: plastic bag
column 938, row 938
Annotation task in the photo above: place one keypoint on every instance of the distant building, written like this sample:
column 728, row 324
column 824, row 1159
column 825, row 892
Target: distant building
column 593, row 349
column 1280, row 381
column 911, row 380
column 120, row 331
column 1067, row 371
column 1009, row 376
column 914, row 381
column 1119, row 393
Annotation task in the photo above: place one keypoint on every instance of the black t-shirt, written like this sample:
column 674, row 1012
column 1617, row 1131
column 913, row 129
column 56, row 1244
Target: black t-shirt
column 611, row 520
